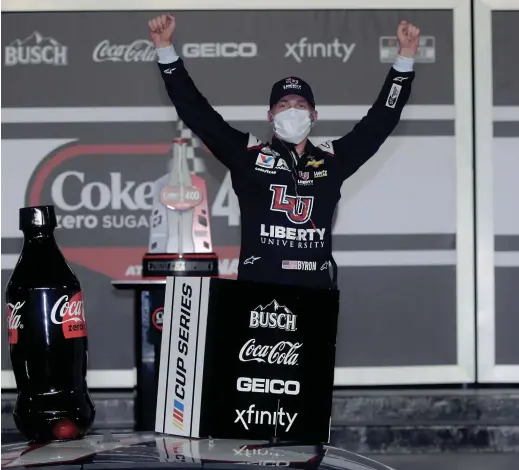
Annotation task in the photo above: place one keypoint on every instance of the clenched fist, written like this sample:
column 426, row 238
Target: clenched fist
column 161, row 30
column 408, row 37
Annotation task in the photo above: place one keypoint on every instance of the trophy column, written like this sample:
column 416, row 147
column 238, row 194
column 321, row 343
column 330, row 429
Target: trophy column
column 180, row 230
column 179, row 245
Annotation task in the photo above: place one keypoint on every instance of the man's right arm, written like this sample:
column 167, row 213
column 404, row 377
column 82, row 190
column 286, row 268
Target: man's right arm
column 196, row 112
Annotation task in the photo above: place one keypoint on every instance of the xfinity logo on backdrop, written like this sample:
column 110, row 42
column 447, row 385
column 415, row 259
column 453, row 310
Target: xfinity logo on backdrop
column 273, row 386
column 303, row 49
column 35, row 50
column 216, row 49
column 279, row 418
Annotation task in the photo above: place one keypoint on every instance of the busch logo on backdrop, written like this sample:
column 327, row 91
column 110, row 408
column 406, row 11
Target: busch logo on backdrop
column 68, row 311
column 140, row 50
column 35, row 49
column 14, row 321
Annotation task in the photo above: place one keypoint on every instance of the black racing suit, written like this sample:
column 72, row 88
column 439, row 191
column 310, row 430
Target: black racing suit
column 287, row 202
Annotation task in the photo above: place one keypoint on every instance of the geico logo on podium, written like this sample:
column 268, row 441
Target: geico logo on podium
column 273, row 315
column 282, row 353
column 251, row 417
column 273, row 386
column 215, row 49
column 181, row 371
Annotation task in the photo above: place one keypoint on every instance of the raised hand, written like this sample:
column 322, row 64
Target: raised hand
column 161, row 30
column 408, row 38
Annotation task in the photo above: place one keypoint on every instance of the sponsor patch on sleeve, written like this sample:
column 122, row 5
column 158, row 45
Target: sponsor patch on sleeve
column 394, row 93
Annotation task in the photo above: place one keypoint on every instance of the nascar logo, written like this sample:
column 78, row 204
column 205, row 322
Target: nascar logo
column 178, row 415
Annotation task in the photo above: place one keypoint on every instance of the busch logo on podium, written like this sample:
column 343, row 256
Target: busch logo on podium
column 180, row 233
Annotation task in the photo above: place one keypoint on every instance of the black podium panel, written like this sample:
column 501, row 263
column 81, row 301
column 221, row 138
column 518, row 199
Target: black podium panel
column 267, row 364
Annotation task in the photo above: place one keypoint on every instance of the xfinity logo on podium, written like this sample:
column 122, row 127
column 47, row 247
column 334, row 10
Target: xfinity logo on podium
column 279, row 418
column 273, row 386
column 273, row 315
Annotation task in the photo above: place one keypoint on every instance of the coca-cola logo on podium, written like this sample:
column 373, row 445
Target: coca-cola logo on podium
column 69, row 313
column 281, row 353
column 14, row 321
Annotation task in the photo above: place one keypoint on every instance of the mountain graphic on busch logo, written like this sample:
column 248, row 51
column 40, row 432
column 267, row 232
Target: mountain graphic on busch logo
column 273, row 306
column 35, row 49
column 35, row 39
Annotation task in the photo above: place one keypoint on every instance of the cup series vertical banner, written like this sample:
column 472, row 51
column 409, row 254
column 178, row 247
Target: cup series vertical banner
column 87, row 126
column 246, row 361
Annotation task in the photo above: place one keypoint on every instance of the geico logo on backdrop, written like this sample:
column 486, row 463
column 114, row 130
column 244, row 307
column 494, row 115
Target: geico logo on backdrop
column 34, row 50
column 273, row 386
column 215, row 49
column 140, row 50
column 304, row 50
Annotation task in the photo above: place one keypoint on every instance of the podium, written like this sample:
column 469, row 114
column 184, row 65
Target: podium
column 243, row 360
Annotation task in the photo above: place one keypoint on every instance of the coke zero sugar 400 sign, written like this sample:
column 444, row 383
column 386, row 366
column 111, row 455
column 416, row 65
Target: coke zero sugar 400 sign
column 247, row 361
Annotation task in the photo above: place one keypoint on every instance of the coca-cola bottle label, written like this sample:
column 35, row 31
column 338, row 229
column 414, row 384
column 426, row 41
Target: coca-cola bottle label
column 14, row 321
column 68, row 312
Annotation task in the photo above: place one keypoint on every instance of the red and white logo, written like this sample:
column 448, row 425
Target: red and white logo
column 157, row 318
column 297, row 209
column 181, row 198
column 70, row 314
column 14, row 321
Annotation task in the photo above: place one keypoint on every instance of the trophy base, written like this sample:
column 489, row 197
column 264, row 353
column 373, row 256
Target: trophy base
column 174, row 264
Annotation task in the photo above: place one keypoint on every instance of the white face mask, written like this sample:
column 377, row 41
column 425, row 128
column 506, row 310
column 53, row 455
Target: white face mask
column 292, row 125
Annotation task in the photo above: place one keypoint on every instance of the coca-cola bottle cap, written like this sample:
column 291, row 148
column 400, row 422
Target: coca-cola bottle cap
column 37, row 217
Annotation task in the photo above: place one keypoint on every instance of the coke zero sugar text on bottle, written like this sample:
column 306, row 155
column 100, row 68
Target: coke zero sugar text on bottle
column 47, row 335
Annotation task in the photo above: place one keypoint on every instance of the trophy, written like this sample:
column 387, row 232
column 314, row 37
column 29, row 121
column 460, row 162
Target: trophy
column 180, row 232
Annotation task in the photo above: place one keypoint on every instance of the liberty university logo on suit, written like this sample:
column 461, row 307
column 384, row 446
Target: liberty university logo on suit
column 298, row 209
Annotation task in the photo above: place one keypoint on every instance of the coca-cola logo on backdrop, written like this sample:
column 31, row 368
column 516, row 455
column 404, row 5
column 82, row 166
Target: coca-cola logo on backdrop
column 140, row 50
column 103, row 197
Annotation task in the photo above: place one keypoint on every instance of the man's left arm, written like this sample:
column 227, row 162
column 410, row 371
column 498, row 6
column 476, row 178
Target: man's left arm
column 365, row 139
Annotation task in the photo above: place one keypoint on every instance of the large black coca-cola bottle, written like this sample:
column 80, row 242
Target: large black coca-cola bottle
column 47, row 336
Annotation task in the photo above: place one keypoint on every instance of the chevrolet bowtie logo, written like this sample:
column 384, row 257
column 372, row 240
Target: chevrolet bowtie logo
column 314, row 163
